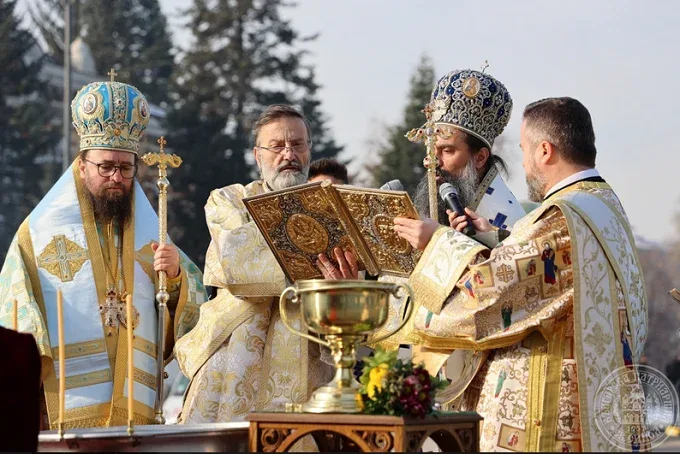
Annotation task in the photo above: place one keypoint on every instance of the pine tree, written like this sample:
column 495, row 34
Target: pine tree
column 48, row 16
column 245, row 57
column 27, row 133
column 128, row 35
column 398, row 158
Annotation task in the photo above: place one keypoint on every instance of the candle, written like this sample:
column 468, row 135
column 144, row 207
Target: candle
column 15, row 316
column 62, row 370
column 131, row 381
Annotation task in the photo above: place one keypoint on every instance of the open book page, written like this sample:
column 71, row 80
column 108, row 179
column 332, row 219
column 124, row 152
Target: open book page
column 373, row 211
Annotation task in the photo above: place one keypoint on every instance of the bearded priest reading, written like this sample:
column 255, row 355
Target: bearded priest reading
column 94, row 236
column 240, row 357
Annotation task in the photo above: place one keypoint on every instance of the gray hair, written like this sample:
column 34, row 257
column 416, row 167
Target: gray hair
column 275, row 112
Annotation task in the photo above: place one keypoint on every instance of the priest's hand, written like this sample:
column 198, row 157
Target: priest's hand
column 459, row 222
column 166, row 258
column 417, row 232
column 349, row 268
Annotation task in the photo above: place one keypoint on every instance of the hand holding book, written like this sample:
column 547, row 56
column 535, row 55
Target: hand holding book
column 347, row 268
column 305, row 222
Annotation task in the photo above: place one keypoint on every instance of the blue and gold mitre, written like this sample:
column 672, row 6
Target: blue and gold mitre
column 473, row 102
column 110, row 115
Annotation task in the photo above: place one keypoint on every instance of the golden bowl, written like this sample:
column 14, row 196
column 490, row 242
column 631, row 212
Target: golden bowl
column 344, row 307
column 343, row 312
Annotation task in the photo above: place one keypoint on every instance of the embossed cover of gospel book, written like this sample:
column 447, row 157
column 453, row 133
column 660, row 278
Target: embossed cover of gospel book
column 301, row 222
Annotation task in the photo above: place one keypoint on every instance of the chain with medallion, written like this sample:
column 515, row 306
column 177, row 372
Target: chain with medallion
column 114, row 306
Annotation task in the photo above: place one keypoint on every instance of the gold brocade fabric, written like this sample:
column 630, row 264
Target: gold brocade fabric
column 57, row 248
column 538, row 322
column 494, row 201
column 240, row 357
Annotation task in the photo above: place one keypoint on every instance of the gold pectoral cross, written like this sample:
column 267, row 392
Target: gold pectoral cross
column 428, row 134
column 113, row 310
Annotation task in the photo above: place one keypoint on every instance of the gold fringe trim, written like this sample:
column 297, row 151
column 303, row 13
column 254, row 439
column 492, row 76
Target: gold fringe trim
column 551, row 393
column 535, row 398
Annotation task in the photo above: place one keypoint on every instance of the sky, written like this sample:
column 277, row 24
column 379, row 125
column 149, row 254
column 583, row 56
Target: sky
column 619, row 58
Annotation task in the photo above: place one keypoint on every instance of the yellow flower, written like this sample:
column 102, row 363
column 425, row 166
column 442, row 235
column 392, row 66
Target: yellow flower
column 376, row 377
column 360, row 402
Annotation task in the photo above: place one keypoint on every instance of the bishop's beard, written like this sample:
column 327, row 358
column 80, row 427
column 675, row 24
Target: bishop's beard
column 112, row 207
column 466, row 184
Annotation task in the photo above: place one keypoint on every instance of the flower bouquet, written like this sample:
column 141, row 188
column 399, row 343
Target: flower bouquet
column 390, row 386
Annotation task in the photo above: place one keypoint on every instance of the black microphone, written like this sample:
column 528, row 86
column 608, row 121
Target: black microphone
column 449, row 195
column 393, row 185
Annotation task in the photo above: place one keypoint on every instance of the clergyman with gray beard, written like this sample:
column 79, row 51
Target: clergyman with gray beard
column 471, row 109
column 466, row 185
column 241, row 324
column 466, row 162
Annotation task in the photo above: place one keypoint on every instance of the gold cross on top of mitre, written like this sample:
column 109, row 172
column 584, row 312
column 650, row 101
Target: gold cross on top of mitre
column 112, row 73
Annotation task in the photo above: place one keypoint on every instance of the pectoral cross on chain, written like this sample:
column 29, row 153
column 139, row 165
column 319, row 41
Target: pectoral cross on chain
column 428, row 134
column 113, row 310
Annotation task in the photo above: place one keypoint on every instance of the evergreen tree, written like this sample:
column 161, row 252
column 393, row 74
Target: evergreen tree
column 27, row 133
column 128, row 35
column 398, row 158
column 245, row 57
column 48, row 16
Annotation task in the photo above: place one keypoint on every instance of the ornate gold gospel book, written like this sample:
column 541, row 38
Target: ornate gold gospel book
column 304, row 221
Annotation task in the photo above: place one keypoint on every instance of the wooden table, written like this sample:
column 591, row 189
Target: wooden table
column 278, row 432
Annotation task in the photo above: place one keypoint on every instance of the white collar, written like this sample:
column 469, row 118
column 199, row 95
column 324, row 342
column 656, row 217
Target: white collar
column 573, row 178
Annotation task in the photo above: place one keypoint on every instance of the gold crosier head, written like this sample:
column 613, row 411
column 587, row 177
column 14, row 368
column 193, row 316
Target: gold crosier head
column 428, row 134
column 162, row 159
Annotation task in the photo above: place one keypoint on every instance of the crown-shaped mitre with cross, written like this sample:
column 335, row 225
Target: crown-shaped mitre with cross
column 472, row 101
column 110, row 115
